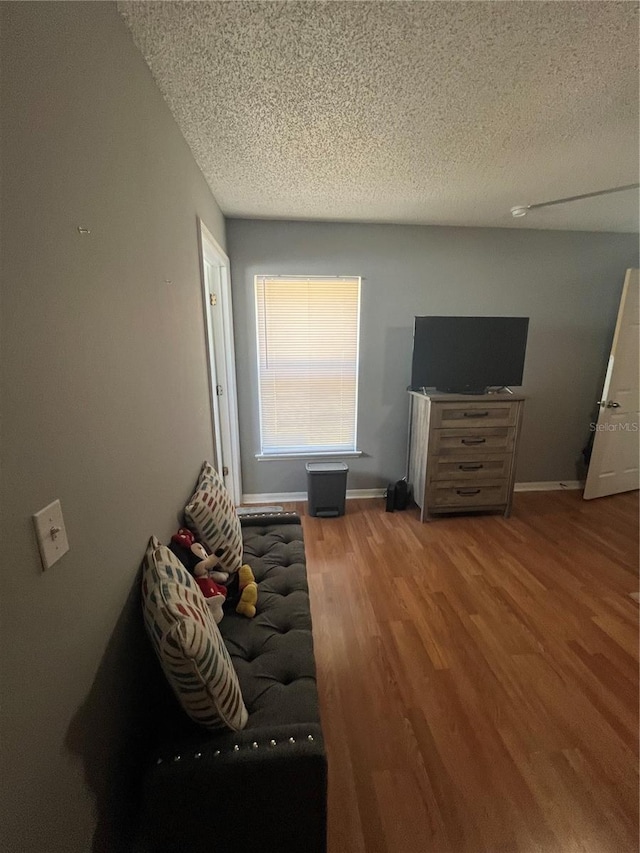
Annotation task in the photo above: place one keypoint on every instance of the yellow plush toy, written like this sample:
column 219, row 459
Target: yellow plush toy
column 248, row 592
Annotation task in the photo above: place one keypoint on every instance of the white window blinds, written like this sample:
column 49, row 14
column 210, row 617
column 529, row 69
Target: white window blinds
column 307, row 330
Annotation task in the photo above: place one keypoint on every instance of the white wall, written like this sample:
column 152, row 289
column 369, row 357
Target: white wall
column 104, row 405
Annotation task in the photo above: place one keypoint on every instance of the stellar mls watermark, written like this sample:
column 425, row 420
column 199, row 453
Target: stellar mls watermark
column 628, row 427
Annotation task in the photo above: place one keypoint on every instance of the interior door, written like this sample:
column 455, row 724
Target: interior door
column 614, row 465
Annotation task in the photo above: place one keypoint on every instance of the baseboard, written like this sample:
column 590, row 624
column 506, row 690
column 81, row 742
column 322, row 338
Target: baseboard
column 549, row 486
column 286, row 497
column 366, row 493
column 274, row 497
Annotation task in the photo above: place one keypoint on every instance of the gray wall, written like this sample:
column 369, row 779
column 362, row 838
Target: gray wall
column 568, row 283
column 104, row 405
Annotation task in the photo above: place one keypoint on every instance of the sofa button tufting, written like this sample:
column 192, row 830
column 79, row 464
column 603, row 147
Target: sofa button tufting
column 236, row 748
column 159, row 761
column 216, row 753
column 292, row 740
column 271, row 743
column 310, row 737
column 254, row 745
column 198, row 755
column 176, row 758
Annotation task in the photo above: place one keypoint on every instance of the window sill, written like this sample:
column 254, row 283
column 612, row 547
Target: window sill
column 325, row 454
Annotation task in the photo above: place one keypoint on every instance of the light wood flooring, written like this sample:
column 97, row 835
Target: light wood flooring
column 478, row 676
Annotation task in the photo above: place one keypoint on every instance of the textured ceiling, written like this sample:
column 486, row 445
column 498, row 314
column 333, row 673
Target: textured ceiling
column 424, row 112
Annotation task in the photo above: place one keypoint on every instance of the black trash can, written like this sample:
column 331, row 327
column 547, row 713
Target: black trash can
column 326, row 488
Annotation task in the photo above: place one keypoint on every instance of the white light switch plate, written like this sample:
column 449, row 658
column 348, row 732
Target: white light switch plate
column 51, row 534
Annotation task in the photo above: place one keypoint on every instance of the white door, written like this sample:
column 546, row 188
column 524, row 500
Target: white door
column 614, row 465
column 221, row 356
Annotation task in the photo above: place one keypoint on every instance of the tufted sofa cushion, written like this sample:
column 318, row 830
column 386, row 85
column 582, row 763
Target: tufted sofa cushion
column 273, row 652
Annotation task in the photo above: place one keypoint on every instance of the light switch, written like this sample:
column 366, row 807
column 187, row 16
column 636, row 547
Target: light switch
column 51, row 534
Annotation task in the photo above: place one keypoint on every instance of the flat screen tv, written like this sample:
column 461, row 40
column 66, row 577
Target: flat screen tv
column 467, row 355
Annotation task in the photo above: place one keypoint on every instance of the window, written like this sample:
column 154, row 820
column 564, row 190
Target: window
column 308, row 336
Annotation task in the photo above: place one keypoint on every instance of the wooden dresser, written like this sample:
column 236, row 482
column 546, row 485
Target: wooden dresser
column 462, row 451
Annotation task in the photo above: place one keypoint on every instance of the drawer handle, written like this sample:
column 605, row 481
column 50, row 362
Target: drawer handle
column 471, row 467
column 475, row 414
column 468, row 491
column 473, row 440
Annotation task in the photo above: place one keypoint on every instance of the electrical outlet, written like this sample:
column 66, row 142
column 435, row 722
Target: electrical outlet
column 51, row 534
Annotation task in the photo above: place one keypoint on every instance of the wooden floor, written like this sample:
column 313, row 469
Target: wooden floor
column 478, row 676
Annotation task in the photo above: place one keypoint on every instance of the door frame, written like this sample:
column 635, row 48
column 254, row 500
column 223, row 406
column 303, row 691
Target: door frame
column 224, row 408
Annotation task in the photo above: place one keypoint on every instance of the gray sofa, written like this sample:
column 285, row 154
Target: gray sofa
column 262, row 789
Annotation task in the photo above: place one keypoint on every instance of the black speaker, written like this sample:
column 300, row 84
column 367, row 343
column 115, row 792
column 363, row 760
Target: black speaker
column 391, row 497
column 401, row 495
column 397, row 495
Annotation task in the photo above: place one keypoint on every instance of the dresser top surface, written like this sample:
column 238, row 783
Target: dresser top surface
column 441, row 397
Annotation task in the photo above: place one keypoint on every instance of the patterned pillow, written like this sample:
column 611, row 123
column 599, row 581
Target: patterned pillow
column 209, row 478
column 213, row 518
column 188, row 643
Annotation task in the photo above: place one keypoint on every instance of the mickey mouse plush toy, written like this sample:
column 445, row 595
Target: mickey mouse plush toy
column 216, row 586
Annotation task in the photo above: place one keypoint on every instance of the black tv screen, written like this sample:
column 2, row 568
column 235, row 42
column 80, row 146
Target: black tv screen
column 468, row 354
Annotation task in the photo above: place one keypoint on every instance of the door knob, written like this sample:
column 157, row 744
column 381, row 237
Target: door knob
column 612, row 405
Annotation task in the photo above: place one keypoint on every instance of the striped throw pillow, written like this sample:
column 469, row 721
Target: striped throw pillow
column 209, row 478
column 188, row 642
column 213, row 518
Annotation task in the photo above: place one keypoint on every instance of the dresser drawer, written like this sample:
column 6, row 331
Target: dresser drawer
column 449, row 493
column 481, row 466
column 463, row 443
column 474, row 414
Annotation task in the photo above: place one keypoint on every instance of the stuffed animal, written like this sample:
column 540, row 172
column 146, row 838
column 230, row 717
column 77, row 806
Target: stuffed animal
column 216, row 586
column 215, row 594
column 248, row 592
column 206, row 564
